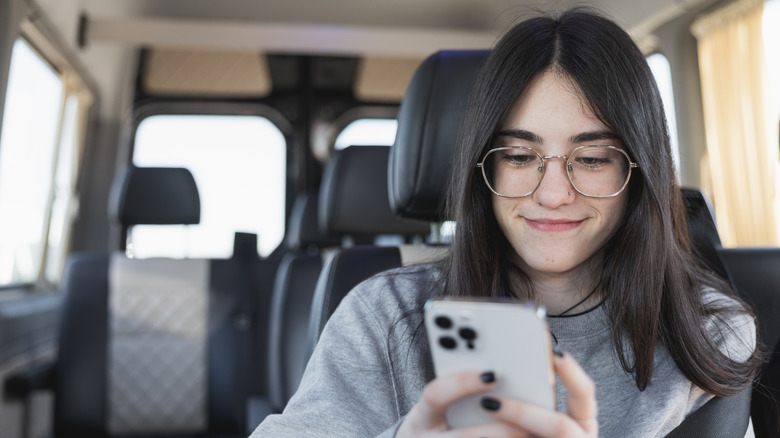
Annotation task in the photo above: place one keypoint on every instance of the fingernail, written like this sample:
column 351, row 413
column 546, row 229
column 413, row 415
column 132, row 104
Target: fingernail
column 488, row 376
column 490, row 404
column 557, row 350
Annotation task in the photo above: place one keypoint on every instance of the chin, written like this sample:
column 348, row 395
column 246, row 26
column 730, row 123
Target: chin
column 550, row 265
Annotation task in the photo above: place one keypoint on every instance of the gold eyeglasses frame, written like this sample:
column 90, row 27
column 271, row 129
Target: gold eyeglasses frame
column 545, row 158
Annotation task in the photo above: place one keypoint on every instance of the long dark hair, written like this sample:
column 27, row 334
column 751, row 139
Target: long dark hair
column 651, row 283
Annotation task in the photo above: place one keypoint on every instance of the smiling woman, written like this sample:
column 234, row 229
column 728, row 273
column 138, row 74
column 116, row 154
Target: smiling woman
column 562, row 111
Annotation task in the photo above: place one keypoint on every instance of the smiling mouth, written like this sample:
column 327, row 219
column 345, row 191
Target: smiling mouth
column 553, row 225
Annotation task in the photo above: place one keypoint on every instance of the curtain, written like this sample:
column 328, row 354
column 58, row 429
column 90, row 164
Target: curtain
column 741, row 127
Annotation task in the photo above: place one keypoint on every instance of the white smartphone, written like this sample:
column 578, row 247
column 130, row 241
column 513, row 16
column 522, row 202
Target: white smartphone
column 507, row 337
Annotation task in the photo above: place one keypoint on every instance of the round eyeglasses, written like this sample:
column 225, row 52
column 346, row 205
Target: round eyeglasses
column 594, row 171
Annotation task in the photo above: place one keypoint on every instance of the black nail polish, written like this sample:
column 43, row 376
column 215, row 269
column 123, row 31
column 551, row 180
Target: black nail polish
column 488, row 376
column 490, row 404
column 557, row 350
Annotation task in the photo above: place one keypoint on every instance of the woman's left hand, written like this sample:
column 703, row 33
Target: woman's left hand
column 580, row 419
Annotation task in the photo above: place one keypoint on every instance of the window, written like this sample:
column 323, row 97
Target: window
column 659, row 65
column 772, row 49
column 28, row 150
column 374, row 132
column 238, row 163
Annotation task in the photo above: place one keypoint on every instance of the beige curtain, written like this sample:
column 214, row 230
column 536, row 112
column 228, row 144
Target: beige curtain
column 741, row 127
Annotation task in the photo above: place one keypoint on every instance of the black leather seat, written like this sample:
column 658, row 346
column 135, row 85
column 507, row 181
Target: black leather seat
column 727, row 417
column 354, row 184
column 418, row 167
column 156, row 346
column 292, row 296
column 755, row 272
column 429, row 122
column 704, row 236
column 354, row 202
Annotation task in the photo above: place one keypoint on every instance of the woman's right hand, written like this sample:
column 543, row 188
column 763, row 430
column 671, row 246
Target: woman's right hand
column 516, row 419
column 427, row 417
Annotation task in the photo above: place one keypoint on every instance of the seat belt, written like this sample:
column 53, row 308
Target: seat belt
column 723, row 417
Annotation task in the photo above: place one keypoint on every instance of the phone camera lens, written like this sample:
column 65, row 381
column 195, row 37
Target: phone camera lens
column 443, row 322
column 467, row 333
column 448, row 343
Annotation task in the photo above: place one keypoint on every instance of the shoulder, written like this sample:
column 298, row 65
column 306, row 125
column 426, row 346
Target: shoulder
column 387, row 298
column 731, row 326
column 406, row 288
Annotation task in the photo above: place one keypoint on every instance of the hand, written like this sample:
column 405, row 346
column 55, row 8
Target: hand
column 427, row 417
column 580, row 420
column 516, row 419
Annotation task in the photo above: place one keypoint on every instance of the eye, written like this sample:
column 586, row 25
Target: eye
column 519, row 158
column 594, row 158
column 592, row 161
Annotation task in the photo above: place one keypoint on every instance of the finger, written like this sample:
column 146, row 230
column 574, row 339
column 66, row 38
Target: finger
column 532, row 419
column 581, row 402
column 445, row 390
column 497, row 429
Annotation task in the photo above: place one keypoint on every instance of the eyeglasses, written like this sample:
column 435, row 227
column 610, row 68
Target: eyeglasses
column 594, row 171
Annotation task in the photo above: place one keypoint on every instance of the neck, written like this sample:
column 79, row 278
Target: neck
column 569, row 292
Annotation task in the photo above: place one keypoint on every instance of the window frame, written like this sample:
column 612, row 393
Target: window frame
column 189, row 107
column 351, row 115
column 73, row 86
column 671, row 116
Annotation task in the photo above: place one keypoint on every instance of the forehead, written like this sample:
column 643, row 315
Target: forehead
column 553, row 108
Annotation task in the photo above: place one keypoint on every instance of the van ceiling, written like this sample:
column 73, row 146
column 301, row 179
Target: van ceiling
column 347, row 27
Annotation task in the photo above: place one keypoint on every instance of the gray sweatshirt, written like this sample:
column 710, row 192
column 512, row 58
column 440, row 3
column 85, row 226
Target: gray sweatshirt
column 372, row 362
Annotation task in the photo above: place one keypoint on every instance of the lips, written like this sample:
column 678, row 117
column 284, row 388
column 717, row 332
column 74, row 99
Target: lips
column 553, row 224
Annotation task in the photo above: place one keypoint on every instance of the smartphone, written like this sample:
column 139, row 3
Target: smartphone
column 510, row 338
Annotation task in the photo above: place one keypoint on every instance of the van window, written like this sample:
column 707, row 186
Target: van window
column 373, row 132
column 659, row 65
column 772, row 50
column 31, row 121
column 238, row 163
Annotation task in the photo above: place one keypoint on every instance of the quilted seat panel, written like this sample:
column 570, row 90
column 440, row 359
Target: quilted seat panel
column 158, row 345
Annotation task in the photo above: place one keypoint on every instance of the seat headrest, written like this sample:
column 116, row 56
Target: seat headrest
column 305, row 228
column 353, row 196
column 429, row 121
column 154, row 196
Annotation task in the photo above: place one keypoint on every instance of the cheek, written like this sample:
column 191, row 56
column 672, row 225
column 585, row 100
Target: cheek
column 614, row 215
column 503, row 210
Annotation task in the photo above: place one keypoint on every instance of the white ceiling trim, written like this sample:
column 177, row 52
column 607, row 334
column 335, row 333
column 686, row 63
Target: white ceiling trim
column 282, row 38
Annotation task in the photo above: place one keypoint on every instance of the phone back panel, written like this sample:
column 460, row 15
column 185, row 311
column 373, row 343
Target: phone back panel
column 510, row 339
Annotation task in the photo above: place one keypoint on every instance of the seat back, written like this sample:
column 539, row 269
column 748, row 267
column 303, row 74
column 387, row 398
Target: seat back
column 727, row 417
column 240, row 290
column 292, row 296
column 755, row 272
column 354, row 202
column 155, row 346
column 705, row 240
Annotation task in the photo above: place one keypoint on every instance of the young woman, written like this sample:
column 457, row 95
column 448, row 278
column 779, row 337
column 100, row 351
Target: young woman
column 564, row 193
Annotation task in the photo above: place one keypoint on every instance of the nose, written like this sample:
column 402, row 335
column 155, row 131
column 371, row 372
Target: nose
column 555, row 188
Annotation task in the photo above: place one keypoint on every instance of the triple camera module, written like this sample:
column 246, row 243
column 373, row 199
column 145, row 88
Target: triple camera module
column 455, row 335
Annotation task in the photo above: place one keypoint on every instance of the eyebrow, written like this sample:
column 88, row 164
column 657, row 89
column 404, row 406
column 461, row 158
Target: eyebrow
column 583, row 137
column 520, row 134
column 589, row 136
